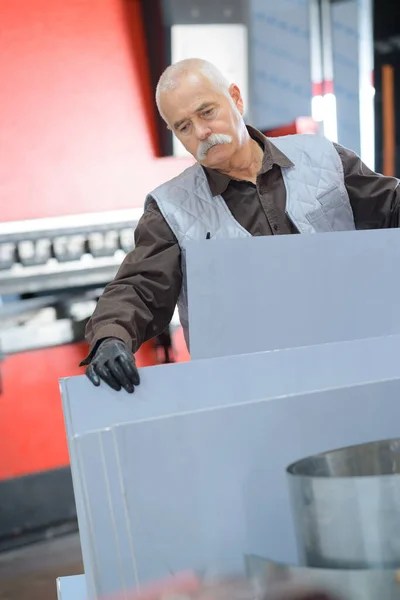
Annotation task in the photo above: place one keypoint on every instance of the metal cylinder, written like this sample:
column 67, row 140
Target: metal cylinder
column 346, row 507
column 358, row 584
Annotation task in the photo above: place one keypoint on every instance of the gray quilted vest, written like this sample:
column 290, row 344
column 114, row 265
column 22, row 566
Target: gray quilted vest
column 316, row 200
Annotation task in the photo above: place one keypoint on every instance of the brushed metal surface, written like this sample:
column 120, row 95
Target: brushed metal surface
column 346, row 505
column 349, row 584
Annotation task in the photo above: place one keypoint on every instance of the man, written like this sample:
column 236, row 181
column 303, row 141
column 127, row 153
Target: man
column 242, row 184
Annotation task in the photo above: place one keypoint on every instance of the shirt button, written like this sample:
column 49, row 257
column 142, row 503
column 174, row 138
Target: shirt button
column 275, row 227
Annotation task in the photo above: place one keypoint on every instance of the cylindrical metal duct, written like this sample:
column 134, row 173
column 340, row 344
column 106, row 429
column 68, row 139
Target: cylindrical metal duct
column 346, row 506
column 349, row 584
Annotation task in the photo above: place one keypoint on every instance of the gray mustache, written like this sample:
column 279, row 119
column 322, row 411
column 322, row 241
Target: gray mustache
column 213, row 140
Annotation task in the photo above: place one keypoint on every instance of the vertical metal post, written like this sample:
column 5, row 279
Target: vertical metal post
column 366, row 68
column 324, row 101
column 317, row 76
column 330, row 115
column 389, row 123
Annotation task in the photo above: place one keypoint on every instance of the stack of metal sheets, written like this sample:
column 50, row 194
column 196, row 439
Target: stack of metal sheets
column 299, row 337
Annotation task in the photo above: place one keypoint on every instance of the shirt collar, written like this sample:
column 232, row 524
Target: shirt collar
column 218, row 182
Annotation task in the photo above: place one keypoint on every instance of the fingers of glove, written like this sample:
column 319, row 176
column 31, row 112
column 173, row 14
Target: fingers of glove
column 92, row 375
column 129, row 367
column 119, row 374
column 108, row 378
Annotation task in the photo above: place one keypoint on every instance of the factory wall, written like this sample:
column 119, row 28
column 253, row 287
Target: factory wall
column 76, row 129
column 281, row 86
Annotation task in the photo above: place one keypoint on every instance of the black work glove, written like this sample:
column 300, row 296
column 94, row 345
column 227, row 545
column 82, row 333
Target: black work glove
column 115, row 364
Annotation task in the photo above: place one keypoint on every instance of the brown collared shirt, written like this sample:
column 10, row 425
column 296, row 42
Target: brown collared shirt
column 139, row 303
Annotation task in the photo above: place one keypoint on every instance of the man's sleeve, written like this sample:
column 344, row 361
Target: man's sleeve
column 139, row 303
column 374, row 198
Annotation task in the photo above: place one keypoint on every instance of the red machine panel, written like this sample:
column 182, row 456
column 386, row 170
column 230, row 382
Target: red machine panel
column 32, row 433
column 76, row 115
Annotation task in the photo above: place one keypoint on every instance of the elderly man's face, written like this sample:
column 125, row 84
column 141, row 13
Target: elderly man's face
column 207, row 122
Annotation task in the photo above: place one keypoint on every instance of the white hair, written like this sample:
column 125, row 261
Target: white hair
column 173, row 75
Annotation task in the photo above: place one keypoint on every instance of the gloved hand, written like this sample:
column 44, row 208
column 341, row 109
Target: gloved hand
column 115, row 364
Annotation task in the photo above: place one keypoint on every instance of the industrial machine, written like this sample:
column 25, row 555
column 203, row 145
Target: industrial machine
column 52, row 271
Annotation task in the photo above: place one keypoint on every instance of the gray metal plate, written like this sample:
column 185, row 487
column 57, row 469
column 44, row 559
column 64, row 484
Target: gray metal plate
column 202, row 489
column 169, row 389
column 256, row 294
column 197, row 385
column 72, row 588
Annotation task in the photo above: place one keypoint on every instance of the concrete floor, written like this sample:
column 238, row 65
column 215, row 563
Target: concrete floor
column 30, row 573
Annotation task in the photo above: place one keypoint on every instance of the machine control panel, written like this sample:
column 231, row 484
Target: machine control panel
column 35, row 254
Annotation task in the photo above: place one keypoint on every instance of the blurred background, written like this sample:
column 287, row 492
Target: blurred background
column 81, row 144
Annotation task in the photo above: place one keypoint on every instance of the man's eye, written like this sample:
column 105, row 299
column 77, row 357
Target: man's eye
column 208, row 112
column 184, row 128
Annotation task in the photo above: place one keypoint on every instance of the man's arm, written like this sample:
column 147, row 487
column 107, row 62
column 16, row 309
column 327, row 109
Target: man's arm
column 139, row 303
column 374, row 198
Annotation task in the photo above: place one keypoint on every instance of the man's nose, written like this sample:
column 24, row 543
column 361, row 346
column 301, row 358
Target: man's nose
column 203, row 132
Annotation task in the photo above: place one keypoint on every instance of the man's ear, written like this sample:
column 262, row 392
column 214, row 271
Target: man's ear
column 236, row 95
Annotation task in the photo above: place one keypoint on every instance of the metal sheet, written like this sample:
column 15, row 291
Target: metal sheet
column 181, row 387
column 71, row 588
column 255, row 294
column 202, row 489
